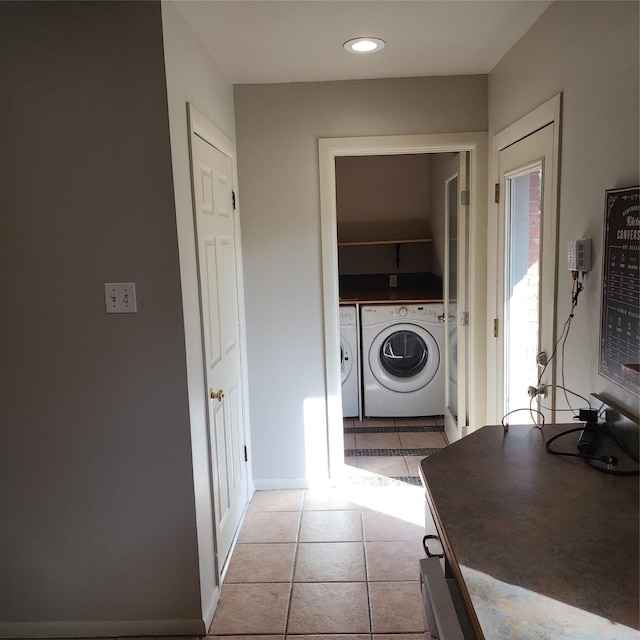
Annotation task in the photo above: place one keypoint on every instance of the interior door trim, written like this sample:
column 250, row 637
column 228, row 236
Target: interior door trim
column 457, row 426
column 545, row 114
column 211, row 573
column 550, row 112
column 330, row 148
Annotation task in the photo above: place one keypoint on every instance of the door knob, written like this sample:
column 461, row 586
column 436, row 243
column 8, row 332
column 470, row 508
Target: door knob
column 216, row 395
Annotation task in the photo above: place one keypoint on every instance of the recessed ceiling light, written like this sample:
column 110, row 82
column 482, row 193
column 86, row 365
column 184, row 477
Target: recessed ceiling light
column 364, row 45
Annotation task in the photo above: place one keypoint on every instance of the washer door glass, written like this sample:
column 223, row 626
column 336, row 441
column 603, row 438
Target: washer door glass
column 404, row 354
column 404, row 357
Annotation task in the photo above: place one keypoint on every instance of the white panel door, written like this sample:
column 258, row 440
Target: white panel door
column 215, row 239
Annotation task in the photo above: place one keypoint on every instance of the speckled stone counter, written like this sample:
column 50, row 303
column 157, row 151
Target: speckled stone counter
column 542, row 546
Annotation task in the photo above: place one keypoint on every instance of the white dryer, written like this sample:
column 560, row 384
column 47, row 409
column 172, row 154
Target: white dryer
column 403, row 360
column 349, row 361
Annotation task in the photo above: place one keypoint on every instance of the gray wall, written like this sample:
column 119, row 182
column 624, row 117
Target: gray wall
column 392, row 197
column 96, row 501
column 383, row 198
column 589, row 52
column 193, row 76
column 278, row 127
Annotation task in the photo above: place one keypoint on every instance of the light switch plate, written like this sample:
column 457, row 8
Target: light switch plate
column 120, row 297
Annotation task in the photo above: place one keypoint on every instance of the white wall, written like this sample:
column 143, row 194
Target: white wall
column 589, row 52
column 278, row 127
column 193, row 76
column 97, row 517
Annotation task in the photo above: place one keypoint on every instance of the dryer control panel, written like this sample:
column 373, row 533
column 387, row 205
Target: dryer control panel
column 372, row 314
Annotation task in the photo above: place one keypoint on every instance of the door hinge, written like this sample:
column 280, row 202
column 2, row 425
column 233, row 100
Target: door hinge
column 464, row 318
column 233, row 199
column 497, row 193
column 495, row 328
column 464, row 198
column 246, row 455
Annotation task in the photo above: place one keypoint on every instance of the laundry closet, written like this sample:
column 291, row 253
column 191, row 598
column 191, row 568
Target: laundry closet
column 391, row 262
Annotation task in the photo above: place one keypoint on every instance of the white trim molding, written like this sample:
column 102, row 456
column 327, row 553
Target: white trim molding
column 550, row 112
column 330, row 148
column 102, row 628
column 210, row 570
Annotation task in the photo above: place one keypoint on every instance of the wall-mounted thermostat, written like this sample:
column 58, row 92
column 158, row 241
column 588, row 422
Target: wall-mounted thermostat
column 579, row 255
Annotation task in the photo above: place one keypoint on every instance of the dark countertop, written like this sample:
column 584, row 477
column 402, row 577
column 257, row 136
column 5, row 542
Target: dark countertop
column 543, row 546
column 399, row 296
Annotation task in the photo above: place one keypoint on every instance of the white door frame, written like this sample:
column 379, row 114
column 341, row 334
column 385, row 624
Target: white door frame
column 456, row 426
column 547, row 113
column 330, row 148
column 200, row 125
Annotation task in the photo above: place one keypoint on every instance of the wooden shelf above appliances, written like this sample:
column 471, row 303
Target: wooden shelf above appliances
column 365, row 243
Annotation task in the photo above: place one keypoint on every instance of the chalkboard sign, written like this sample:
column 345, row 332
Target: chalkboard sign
column 620, row 319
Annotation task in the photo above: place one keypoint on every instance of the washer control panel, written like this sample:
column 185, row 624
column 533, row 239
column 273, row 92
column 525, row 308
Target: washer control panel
column 431, row 312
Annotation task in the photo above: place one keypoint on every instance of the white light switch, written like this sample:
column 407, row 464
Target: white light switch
column 120, row 297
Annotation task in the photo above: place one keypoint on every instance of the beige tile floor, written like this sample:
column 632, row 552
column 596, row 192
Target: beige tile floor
column 321, row 562
column 361, row 435
column 334, row 564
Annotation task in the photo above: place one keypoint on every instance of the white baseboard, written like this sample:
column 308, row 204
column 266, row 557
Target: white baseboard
column 451, row 434
column 281, row 483
column 210, row 608
column 103, row 628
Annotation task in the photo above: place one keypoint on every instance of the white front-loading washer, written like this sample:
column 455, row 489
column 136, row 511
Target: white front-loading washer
column 403, row 360
column 349, row 361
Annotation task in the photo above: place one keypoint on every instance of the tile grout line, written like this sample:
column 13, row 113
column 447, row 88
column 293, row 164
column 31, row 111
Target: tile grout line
column 293, row 567
column 297, row 541
column 390, row 452
column 366, row 575
column 398, row 430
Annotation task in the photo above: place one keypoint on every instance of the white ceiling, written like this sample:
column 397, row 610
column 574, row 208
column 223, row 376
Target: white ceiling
column 265, row 41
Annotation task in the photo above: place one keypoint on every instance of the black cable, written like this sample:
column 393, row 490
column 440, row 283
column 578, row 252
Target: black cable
column 559, row 435
column 612, row 472
column 608, row 460
column 574, row 303
column 505, row 425
column 574, row 296
column 555, row 347
column 566, row 397
column 573, row 393
column 607, row 432
column 575, row 292
column 542, row 406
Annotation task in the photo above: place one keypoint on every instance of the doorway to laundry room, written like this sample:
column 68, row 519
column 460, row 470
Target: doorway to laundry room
column 391, row 226
column 387, row 244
